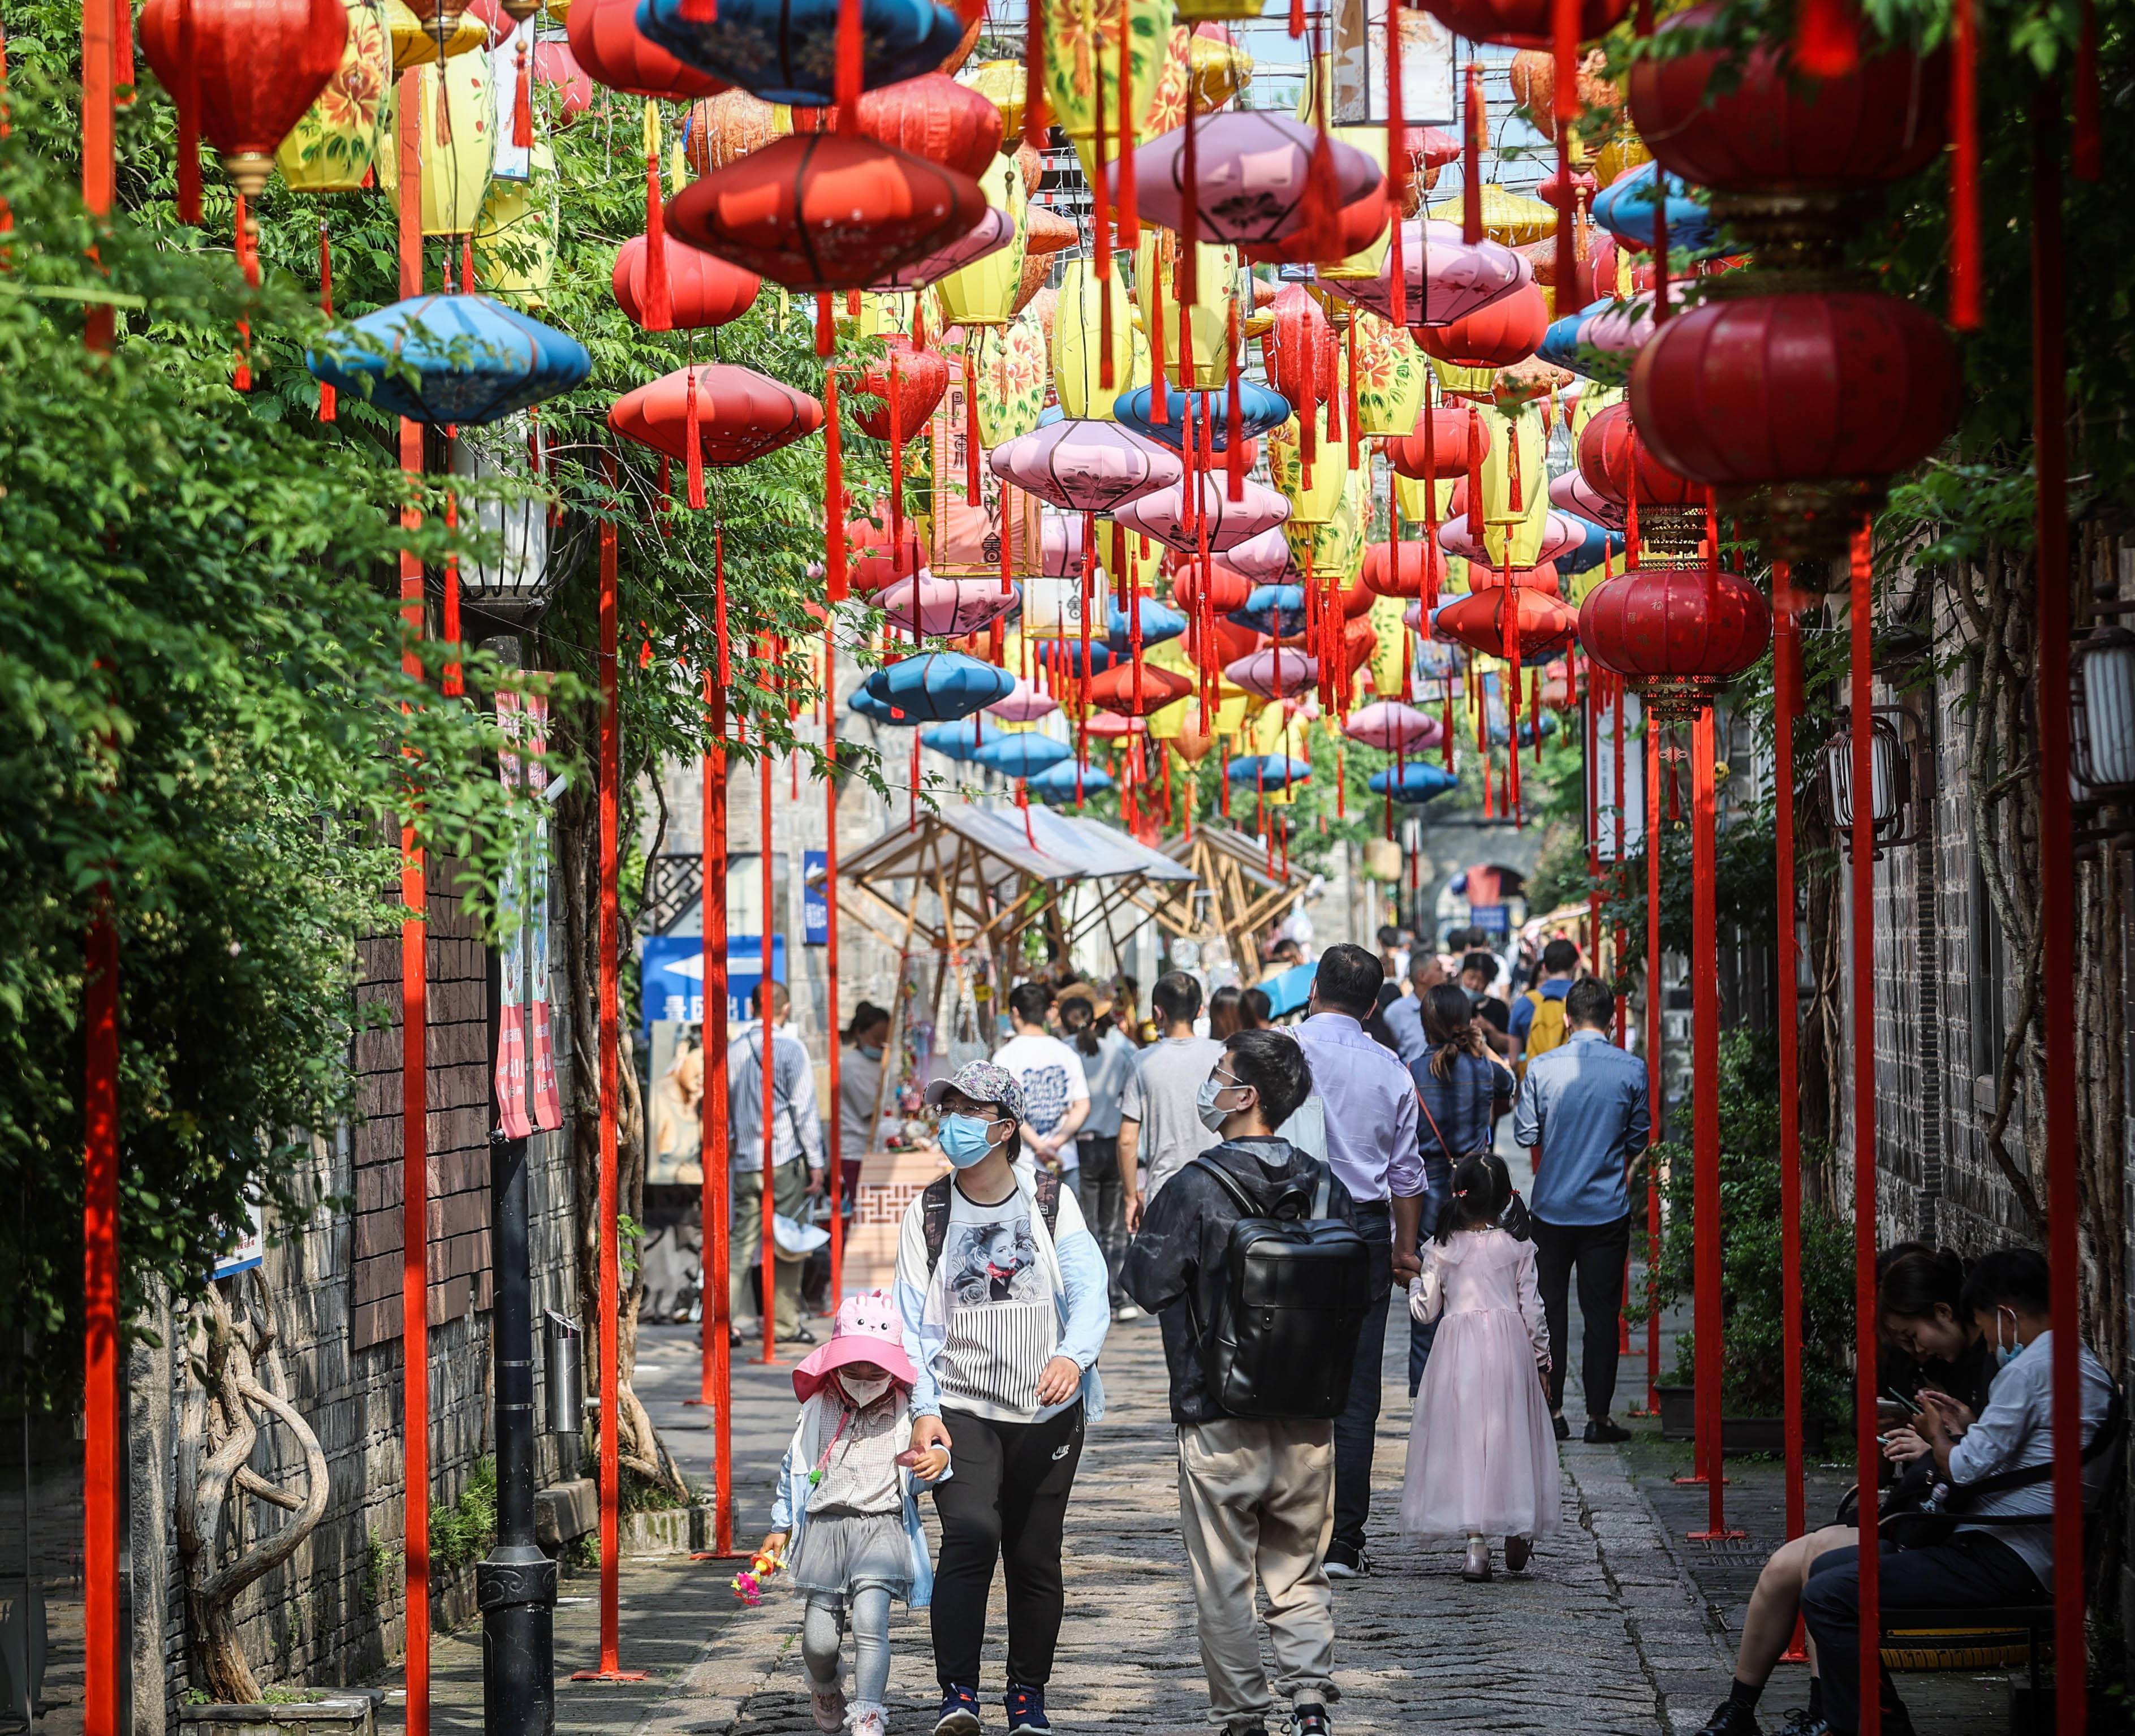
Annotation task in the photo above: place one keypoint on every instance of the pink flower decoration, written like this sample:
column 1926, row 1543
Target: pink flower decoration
column 1388, row 724
column 944, row 607
column 1250, row 168
column 1273, row 674
column 1163, row 515
column 1085, row 466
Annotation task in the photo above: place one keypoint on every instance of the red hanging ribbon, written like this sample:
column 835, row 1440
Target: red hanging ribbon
column 848, row 76
column 1234, row 427
column 1129, row 207
column 693, row 438
column 1964, row 166
column 522, row 105
column 188, row 96
column 1398, row 165
column 1471, row 161
column 329, row 399
column 1035, row 122
column 659, row 297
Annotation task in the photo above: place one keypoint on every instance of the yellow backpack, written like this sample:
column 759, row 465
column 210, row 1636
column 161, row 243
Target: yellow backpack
column 1547, row 1031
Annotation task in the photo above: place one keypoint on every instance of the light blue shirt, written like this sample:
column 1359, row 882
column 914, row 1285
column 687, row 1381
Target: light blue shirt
column 1583, row 1108
column 1404, row 1022
column 1370, row 1102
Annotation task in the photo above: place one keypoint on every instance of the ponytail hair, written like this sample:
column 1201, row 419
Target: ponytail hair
column 1914, row 1284
column 1448, row 1026
column 865, row 1017
column 1079, row 1016
column 1482, row 1188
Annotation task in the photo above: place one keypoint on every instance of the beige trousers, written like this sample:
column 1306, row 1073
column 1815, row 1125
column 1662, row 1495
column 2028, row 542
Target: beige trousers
column 1256, row 1504
column 745, row 1246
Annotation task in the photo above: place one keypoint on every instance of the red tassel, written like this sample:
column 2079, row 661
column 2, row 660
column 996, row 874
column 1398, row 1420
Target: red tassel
column 1827, row 38
column 1234, row 428
column 2086, row 160
column 123, row 75
column 1159, row 393
column 1398, row 164
column 700, row 12
column 248, row 256
column 1130, row 215
column 1352, row 391
column 720, row 602
column 1322, row 194
column 466, row 263
column 1471, row 163
column 693, row 437
column 896, row 470
column 1296, row 18
column 522, row 105
column 189, row 99
column 1036, row 124
column 452, row 686
column 1513, row 503
column 836, row 587
column 659, row 297
column 1189, row 285
column 329, row 399
column 851, row 50
column 1964, row 167
column 971, row 418
column 826, row 326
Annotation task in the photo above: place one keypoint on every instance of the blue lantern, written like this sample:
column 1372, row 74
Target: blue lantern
column 475, row 360
column 1599, row 546
column 1023, row 753
column 1054, row 654
column 1273, row 608
column 938, row 686
column 1417, row 780
column 1158, row 623
column 785, row 50
column 1625, row 209
column 1560, row 344
column 960, row 741
column 1059, row 783
column 1500, row 735
column 1268, row 771
column 876, row 710
column 1259, row 409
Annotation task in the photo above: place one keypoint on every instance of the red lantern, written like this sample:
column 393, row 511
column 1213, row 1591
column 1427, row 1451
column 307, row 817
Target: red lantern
column 1305, row 368
column 1420, row 569
column 1458, row 443
column 1506, row 330
column 932, row 117
column 604, row 38
column 1228, row 589
column 740, row 414
column 705, row 292
column 1797, row 408
column 244, row 73
column 1524, row 23
column 1482, row 577
column 1675, row 634
column 870, row 563
column 1480, row 621
column 821, row 211
column 1357, row 600
column 922, row 377
column 1358, row 225
column 1550, row 191
column 1114, row 690
column 1532, row 76
column 1613, row 460
column 1226, row 644
column 556, row 66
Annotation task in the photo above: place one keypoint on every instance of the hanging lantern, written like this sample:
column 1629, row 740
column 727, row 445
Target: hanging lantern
column 518, row 586
column 1890, row 818
column 1616, row 463
column 871, row 562
column 1259, row 557
column 1511, row 219
column 924, row 606
column 475, row 360
column 1146, row 618
column 1011, row 376
column 1414, row 783
column 1524, row 23
column 414, row 43
column 786, row 51
column 1273, row 609
column 705, row 291
column 1482, row 576
column 608, row 43
column 1677, row 635
column 937, row 686
column 514, row 236
column 990, row 234
column 1224, row 522
column 1275, row 673
column 1390, row 374
column 1457, row 443
column 724, row 128
column 1419, row 570
column 1481, row 622
column 1267, row 771
column 1067, row 781
column 245, row 75
column 1444, row 278
column 825, row 211
column 1001, row 83
column 1087, row 467
column 1133, row 692
column 1259, row 411
column 1078, row 344
column 334, row 141
column 1312, row 502
column 1532, row 77
column 456, row 173
column 923, row 379
column 2102, row 672
column 1228, row 589
column 1081, row 45
column 557, row 69
column 1572, row 493
column 1625, row 209
column 983, row 293
column 1024, row 704
column 1495, row 336
column 1208, row 315
column 1394, row 728
column 1025, row 753
column 1252, row 166
column 932, row 117
column 960, row 741
column 1559, row 535
column 740, row 414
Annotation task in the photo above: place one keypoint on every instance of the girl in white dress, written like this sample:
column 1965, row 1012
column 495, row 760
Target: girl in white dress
column 1481, row 1459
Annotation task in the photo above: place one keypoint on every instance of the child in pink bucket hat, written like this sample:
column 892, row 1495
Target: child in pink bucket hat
column 847, row 1504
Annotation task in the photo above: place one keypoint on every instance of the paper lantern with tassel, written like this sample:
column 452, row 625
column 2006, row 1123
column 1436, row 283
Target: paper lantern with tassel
column 936, row 609
column 1067, row 781
column 983, row 293
column 1390, row 376
column 1495, row 336
column 872, row 563
column 717, row 415
column 1420, row 571
column 1134, row 692
column 1333, row 548
column 1227, row 523
column 922, row 379
column 703, row 291
column 1675, row 634
column 1393, row 728
column 1508, row 217
column 1251, row 167
column 1085, row 466
column 1457, row 443
column 1259, row 558
column 1415, row 783
column 515, row 237
column 475, row 360
column 1208, row 322
column 1011, row 376
column 825, row 211
column 557, row 69
column 994, row 231
column 335, row 142
column 724, row 128
column 1025, row 753
column 1532, row 77
column 1311, row 503
column 1275, row 673
column 1481, row 623
column 456, row 173
column 414, row 43
column 1078, row 344
column 1524, row 23
column 608, row 43
column 785, row 50
column 934, row 117
column 1259, row 411
column 1444, row 277
column 938, row 686
column 1081, row 42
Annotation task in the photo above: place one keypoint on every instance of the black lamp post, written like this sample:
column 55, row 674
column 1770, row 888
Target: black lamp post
column 1890, row 813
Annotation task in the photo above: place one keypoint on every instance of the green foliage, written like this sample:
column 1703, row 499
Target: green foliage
column 1751, row 1291
column 1746, row 894
column 379, row 1557
column 462, row 1534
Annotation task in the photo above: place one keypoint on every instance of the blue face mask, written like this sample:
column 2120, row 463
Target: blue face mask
column 873, row 1051
column 965, row 1139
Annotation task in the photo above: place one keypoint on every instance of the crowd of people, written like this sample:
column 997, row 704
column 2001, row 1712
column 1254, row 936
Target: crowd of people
column 1099, row 1168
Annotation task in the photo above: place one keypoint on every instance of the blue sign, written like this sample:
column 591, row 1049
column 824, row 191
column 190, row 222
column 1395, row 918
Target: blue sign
column 814, row 907
column 672, row 973
column 1490, row 919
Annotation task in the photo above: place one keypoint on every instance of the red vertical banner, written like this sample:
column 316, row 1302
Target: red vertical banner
column 1867, row 1451
column 101, row 1710
column 715, row 1385
column 836, row 1153
column 1653, row 1060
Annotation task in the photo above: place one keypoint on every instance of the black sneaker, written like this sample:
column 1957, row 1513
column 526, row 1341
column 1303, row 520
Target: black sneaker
column 1730, row 1720
column 1345, row 1561
column 1803, row 1721
column 1309, row 1720
column 1605, row 1432
column 959, row 1712
column 1026, row 1711
column 1561, row 1429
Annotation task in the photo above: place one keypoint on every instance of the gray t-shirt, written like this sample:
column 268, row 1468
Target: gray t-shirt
column 1107, row 1072
column 1161, row 1096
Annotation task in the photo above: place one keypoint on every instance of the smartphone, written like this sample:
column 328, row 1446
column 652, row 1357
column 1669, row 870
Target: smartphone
column 1909, row 1406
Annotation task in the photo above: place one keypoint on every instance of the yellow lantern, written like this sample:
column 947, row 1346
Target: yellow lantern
column 1390, row 376
column 338, row 140
column 415, row 43
column 456, row 174
column 983, row 293
column 514, row 241
column 1413, row 498
column 1510, row 217
column 1385, row 621
column 1312, row 502
column 1082, row 69
column 1011, row 373
column 1476, row 384
column 1619, row 157
column 1209, row 319
column 1000, row 83
column 1218, row 70
column 1510, row 536
column 1078, row 344
column 1335, row 546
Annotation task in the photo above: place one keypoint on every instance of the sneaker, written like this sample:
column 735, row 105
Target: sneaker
column 1127, row 1311
column 959, row 1712
column 1605, row 1432
column 1344, row 1561
column 1803, row 1721
column 799, row 1334
column 1560, row 1427
column 1730, row 1720
column 1309, row 1720
column 1517, row 1550
column 828, row 1704
column 1026, row 1711
column 870, row 1723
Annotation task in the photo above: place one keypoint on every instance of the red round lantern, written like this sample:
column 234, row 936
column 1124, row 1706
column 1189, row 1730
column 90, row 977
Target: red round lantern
column 1614, row 461
column 1228, row 589
column 1482, row 577
column 932, row 117
column 1114, row 690
column 1524, row 23
column 1821, row 395
column 1419, row 568
column 1357, row 600
column 1305, row 368
column 1675, row 634
column 248, row 73
column 705, row 292
column 922, row 377
column 1225, row 645
column 1484, row 622
column 740, row 414
column 1551, row 192
column 556, row 66
column 1532, row 76
column 870, row 562
column 604, row 38
column 1458, row 442
column 1506, row 330
column 820, row 211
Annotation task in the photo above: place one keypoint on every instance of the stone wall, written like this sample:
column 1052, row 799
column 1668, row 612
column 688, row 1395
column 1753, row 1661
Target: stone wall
column 333, row 1614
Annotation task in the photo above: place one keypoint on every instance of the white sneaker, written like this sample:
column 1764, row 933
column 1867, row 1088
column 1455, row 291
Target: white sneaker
column 871, row 1722
column 1127, row 1311
column 1344, row 1562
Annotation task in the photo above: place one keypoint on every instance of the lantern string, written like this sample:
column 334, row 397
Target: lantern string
column 1129, row 207
column 1471, row 164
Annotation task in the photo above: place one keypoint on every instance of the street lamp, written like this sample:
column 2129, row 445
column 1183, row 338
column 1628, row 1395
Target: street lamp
column 1891, row 804
column 2102, row 723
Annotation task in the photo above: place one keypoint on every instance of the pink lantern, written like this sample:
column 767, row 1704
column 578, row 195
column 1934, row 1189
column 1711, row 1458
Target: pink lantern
column 1263, row 559
column 1024, row 704
column 1275, row 673
column 1445, row 279
column 1251, row 169
column 1572, row 492
column 1085, row 466
column 944, row 608
column 1393, row 727
column 1622, row 330
column 1110, row 726
column 1560, row 536
column 1225, row 522
column 1060, row 543
column 990, row 234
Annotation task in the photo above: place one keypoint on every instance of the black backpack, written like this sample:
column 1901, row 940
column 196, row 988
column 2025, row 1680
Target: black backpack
column 934, row 1210
column 1296, row 1287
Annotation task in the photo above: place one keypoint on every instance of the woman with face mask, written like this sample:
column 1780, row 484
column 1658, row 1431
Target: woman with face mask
column 859, row 1091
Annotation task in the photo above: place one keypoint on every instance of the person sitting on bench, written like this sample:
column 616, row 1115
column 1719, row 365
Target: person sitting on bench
column 1998, row 1466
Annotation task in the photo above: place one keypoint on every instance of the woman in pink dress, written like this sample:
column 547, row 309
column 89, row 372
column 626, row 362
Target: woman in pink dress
column 1481, row 1459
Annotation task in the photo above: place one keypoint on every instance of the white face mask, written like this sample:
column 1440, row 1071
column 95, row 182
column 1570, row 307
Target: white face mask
column 864, row 1393
column 1213, row 1114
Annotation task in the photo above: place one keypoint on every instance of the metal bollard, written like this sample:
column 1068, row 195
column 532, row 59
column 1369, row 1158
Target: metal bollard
column 566, row 1370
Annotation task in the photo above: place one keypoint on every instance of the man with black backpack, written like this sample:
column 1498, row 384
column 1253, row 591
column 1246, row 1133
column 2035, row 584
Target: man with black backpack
column 1252, row 1261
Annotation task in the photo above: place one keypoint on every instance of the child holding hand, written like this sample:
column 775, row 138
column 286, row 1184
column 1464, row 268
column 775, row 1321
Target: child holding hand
column 845, row 1516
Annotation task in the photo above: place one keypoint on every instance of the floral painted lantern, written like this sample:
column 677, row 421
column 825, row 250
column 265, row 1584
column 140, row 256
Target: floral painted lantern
column 1087, row 467
column 1390, row 374
column 785, row 50
column 457, row 171
column 515, row 237
column 1444, row 278
column 475, row 360
column 1010, row 372
column 335, row 142
column 983, row 293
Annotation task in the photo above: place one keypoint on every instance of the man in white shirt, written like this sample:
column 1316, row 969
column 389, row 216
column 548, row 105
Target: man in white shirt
column 796, row 1153
column 1369, row 1103
column 1056, row 1092
column 1160, row 1126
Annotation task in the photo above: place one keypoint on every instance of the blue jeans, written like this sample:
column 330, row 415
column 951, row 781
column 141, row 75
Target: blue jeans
column 1357, row 1429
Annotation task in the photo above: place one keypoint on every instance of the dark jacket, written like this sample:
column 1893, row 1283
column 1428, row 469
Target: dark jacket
column 1181, row 1246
